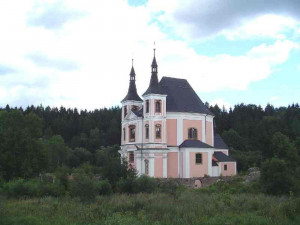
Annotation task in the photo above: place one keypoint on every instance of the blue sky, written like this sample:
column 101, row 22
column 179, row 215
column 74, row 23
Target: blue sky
column 78, row 53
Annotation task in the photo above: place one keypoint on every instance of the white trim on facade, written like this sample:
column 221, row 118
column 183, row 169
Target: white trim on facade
column 165, row 165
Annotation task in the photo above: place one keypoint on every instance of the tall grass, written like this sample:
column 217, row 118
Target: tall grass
column 190, row 207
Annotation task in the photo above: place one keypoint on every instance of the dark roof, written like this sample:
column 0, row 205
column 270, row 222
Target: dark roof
column 132, row 92
column 194, row 144
column 219, row 143
column 154, row 87
column 181, row 97
column 154, row 64
column 214, row 163
column 221, row 157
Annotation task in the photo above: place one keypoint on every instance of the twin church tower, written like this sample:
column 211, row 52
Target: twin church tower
column 170, row 132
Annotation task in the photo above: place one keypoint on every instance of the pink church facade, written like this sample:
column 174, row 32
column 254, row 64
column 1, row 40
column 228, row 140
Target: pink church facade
column 170, row 132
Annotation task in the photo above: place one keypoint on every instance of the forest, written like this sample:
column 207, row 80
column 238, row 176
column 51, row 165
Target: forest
column 39, row 140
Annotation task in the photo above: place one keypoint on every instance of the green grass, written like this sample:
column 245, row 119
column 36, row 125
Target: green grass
column 190, row 207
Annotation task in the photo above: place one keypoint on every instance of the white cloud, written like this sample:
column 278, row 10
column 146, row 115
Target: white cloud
column 195, row 19
column 221, row 103
column 86, row 62
column 272, row 26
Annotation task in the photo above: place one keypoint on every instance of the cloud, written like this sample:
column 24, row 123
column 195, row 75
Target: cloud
column 4, row 69
column 226, row 72
column 210, row 17
column 221, row 103
column 45, row 61
column 86, row 62
column 52, row 15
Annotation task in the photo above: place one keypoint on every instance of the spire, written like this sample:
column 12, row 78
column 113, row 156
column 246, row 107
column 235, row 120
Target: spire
column 132, row 92
column 154, row 87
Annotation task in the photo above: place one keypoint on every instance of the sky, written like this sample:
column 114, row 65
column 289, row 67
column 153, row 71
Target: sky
column 76, row 53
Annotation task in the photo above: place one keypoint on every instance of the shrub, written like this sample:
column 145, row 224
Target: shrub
column 275, row 177
column 54, row 190
column 168, row 186
column 146, row 184
column 103, row 187
column 83, row 187
column 127, row 185
column 21, row 188
column 62, row 178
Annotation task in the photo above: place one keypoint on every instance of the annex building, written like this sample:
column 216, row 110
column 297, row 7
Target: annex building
column 169, row 132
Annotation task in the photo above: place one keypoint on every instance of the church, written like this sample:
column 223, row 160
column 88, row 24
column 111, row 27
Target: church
column 169, row 132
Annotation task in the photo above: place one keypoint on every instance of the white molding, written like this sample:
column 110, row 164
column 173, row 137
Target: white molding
column 198, row 149
column 210, row 163
column 179, row 130
column 151, row 165
column 187, row 167
column 131, row 102
column 154, row 96
column 165, row 165
column 189, row 115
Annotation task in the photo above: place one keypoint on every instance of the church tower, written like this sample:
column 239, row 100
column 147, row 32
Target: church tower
column 131, row 103
column 154, row 111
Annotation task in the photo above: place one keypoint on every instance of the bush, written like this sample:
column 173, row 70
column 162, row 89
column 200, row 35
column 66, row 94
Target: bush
column 54, row 190
column 21, row 188
column 103, row 187
column 83, row 187
column 168, row 186
column 276, row 177
column 127, row 185
column 146, row 184
column 61, row 176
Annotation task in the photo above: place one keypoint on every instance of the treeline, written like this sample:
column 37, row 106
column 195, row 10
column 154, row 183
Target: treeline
column 267, row 138
column 38, row 140
column 41, row 139
column 255, row 134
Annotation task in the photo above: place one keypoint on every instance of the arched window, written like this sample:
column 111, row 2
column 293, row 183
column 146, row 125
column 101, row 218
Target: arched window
column 192, row 133
column 147, row 106
column 125, row 111
column 147, row 131
column 157, row 131
column 158, row 106
column 124, row 134
column 198, row 158
column 132, row 133
column 131, row 157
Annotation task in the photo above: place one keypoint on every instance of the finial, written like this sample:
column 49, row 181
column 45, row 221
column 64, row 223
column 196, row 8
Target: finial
column 132, row 61
column 154, row 48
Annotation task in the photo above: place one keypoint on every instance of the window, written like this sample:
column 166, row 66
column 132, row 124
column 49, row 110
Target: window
column 134, row 107
column 125, row 111
column 158, row 106
column 147, row 106
column 198, row 158
column 132, row 133
column 158, row 131
column 147, row 131
column 131, row 157
column 192, row 133
column 124, row 134
column 146, row 166
column 225, row 167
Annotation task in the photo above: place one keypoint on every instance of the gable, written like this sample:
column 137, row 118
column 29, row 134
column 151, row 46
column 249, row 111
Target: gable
column 130, row 116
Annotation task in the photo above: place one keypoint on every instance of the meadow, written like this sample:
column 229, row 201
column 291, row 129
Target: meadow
column 218, row 204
